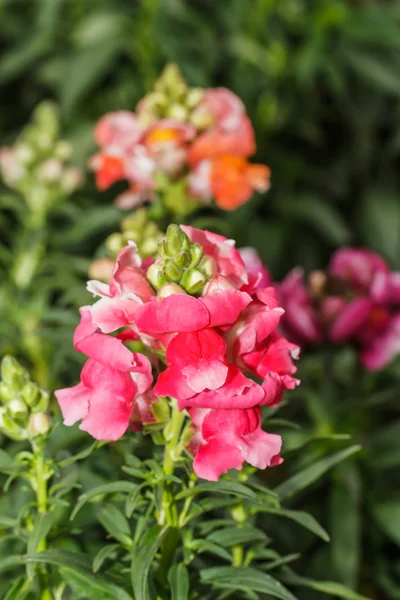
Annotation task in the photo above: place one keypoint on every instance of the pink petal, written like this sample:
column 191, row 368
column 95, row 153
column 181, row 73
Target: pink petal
column 384, row 348
column 204, row 375
column 261, row 449
column 179, row 312
column 109, row 415
column 215, row 458
column 224, row 308
column 351, row 319
column 74, row 402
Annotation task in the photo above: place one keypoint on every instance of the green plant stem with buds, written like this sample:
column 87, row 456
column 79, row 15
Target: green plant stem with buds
column 41, row 473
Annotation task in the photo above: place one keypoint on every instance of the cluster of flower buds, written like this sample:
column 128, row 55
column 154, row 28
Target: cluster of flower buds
column 356, row 299
column 23, row 404
column 200, row 138
column 36, row 165
column 173, row 99
column 206, row 335
column 136, row 227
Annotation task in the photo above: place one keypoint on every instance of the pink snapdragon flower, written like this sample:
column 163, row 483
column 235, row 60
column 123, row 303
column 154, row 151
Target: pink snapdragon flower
column 259, row 276
column 225, row 439
column 357, row 299
column 215, row 350
column 105, row 398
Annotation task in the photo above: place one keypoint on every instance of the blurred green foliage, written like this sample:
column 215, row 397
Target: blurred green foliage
column 320, row 80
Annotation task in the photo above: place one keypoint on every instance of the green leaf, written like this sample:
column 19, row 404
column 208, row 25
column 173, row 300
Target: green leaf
column 245, row 578
column 199, row 546
column 9, row 562
column 19, row 589
column 97, row 493
column 84, row 69
column 81, row 455
column 222, row 487
column 345, row 525
column 387, row 515
column 237, row 535
column 380, row 222
column 312, row 473
column 178, row 578
column 115, row 523
column 41, row 528
column 302, row 518
column 103, row 554
column 7, row 522
column 323, row 217
column 327, row 587
column 61, row 558
column 142, row 558
column 93, row 587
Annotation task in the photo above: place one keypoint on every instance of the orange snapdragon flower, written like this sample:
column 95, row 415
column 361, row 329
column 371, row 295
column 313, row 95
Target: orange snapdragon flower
column 233, row 180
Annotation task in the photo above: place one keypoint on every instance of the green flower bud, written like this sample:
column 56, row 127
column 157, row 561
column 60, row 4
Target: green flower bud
column 171, row 271
column 63, row 150
column 183, row 259
column 177, row 112
column 196, row 253
column 135, row 221
column 12, row 372
column 155, row 275
column 194, row 96
column 175, row 241
column 193, row 281
column 46, row 118
column 6, row 393
column 42, row 403
column 208, row 266
column 9, row 427
column 114, row 243
column 160, row 410
column 39, row 424
column 17, row 409
column 23, row 153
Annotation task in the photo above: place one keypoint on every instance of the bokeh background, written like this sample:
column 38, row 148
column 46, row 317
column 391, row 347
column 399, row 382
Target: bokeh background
column 321, row 82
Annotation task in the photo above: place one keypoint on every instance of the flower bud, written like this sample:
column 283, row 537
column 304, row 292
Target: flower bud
column 6, row 393
column 17, row 409
column 194, row 96
column 177, row 112
column 155, row 275
column 23, row 153
column 46, row 118
column 30, row 393
column 63, row 150
column 201, row 118
column 50, row 171
column 175, row 240
column 101, row 269
column 12, row 372
column 71, row 179
column 218, row 284
column 9, row 427
column 208, row 266
column 317, row 282
column 193, row 281
column 183, row 259
column 42, row 402
column 171, row 271
column 168, row 289
column 39, row 424
column 196, row 253
column 114, row 243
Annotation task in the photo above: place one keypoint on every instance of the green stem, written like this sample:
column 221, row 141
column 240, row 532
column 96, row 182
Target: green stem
column 40, row 485
column 240, row 517
column 169, row 513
